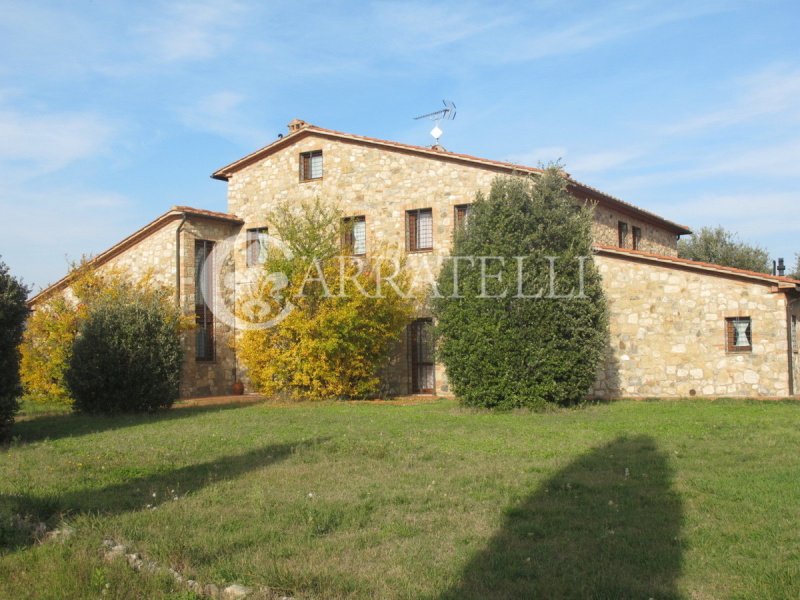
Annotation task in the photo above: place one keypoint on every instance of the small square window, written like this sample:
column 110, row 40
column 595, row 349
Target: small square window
column 257, row 246
column 461, row 215
column 355, row 235
column 419, row 230
column 622, row 233
column 739, row 334
column 637, row 237
column 311, row 165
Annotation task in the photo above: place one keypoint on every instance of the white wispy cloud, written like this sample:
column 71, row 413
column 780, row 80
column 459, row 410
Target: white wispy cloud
column 192, row 30
column 773, row 91
column 39, row 143
column 224, row 113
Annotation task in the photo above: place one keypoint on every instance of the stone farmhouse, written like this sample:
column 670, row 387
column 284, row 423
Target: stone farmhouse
column 678, row 327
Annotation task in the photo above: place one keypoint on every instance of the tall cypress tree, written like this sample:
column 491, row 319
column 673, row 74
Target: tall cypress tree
column 521, row 315
column 13, row 312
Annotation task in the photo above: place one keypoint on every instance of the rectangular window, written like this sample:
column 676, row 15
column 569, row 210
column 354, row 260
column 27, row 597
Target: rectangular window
column 421, row 346
column 257, row 246
column 738, row 334
column 355, row 235
column 794, row 334
column 622, row 230
column 311, row 165
column 419, row 230
column 461, row 215
column 203, row 300
column 637, row 238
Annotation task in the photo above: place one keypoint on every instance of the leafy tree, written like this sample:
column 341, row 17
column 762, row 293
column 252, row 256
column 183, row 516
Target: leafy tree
column 127, row 356
column 722, row 247
column 504, row 349
column 342, row 324
column 50, row 333
column 13, row 312
column 796, row 273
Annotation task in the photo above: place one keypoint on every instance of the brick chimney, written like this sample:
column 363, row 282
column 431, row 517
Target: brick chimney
column 296, row 125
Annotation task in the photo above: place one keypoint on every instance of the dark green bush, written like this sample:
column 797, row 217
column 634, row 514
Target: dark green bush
column 13, row 312
column 127, row 356
column 512, row 351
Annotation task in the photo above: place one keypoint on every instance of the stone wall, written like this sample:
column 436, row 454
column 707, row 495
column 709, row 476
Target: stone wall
column 382, row 185
column 668, row 334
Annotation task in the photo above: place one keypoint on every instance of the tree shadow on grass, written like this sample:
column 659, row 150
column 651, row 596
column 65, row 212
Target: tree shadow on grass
column 606, row 526
column 53, row 427
column 134, row 494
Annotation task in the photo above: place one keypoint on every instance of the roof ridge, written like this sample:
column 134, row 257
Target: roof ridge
column 696, row 263
column 136, row 236
column 225, row 172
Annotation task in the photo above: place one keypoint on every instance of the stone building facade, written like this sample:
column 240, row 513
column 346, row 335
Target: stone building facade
column 669, row 316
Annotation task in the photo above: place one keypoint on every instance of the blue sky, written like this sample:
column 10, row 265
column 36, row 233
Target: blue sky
column 111, row 112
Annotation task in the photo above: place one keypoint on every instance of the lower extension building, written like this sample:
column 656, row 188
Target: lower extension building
column 677, row 327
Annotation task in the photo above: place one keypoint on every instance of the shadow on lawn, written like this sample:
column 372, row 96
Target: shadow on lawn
column 588, row 532
column 53, row 427
column 136, row 493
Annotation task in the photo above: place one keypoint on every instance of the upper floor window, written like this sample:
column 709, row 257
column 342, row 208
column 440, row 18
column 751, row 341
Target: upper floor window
column 311, row 165
column 355, row 235
column 461, row 215
column 739, row 334
column 419, row 229
column 622, row 234
column 257, row 246
column 637, row 238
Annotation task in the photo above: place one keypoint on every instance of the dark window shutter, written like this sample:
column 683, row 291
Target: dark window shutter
column 412, row 230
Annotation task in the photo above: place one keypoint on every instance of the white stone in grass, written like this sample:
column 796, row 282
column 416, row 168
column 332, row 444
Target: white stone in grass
column 235, row 592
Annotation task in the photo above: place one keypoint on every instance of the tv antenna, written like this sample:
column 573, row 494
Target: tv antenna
column 448, row 113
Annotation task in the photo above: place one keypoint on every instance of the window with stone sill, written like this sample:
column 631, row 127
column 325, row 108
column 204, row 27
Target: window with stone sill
column 257, row 246
column 738, row 334
column 622, row 234
column 355, row 235
column 311, row 165
column 419, row 230
column 461, row 215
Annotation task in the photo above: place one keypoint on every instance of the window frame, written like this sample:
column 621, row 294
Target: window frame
column 348, row 234
column 731, row 336
column 622, row 234
column 412, row 230
column 203, row 311
column 461, row 215
column 636, row 238
column 306, row 168
column 253, row 253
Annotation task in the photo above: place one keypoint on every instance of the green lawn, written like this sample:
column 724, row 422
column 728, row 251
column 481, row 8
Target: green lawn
column 689, row 499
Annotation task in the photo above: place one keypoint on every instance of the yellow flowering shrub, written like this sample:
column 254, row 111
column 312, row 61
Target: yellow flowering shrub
column 344, row 319
column 48, row 339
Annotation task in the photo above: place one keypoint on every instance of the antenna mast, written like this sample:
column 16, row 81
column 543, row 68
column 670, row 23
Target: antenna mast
column 448, row 113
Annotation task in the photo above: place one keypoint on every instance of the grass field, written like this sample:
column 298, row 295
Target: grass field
column 689, row 499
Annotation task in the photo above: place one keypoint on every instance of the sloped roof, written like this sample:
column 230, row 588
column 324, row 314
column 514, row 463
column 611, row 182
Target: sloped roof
column 175, row 213
column 437, row 153
column 708, row 268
